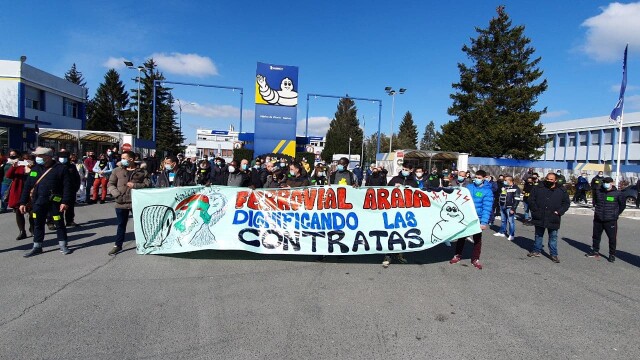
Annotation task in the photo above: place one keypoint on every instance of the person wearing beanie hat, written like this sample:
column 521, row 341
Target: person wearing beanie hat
column 609, row 203
column 48, row 190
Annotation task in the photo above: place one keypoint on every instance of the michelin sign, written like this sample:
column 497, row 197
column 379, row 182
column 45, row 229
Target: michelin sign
column 276, row 109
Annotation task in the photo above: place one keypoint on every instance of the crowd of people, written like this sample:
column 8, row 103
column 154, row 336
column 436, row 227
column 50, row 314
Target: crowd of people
column 44, row 186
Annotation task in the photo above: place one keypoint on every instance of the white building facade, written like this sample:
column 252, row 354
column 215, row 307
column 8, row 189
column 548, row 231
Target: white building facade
column 31, row 98
column 217, row 143
column 591, row 141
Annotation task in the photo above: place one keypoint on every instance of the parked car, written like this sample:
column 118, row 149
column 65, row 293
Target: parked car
column 631, row 194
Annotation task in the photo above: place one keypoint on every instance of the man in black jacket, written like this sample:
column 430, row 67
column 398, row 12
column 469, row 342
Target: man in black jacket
column 404, row 178
column 596, row 183
column 547, row 205
column 74, row 178
column 609, row 204
column 49, row 191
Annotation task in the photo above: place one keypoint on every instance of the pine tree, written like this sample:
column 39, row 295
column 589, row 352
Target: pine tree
column 108, row 108
column 344, row 125
column 494, row 101
column 168, row 136
column 408, row 135
column 430, row 137
column 371, row 145
column 75, row 76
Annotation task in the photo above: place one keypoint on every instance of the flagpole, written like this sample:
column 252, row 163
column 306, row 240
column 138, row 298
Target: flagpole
column 619, row 150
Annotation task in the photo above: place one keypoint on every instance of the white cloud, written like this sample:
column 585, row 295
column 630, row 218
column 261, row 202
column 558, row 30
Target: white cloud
column 318, row 125
column 554, row 114
column 185, row 64
column 114, row 63
column 609, row 32
column 215, row 111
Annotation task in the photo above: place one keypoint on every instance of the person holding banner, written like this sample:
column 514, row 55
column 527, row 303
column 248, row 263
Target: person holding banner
column 123, row 179
column 295, row 178
column 482, row 195
column 237, row 176
column 342, row 175
column 319, row 178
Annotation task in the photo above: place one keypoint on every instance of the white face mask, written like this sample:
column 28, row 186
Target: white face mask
column 320, row 173
column 419, row 174
column 232, row 169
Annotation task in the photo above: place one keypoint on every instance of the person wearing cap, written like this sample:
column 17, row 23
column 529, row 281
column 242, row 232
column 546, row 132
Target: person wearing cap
column 609, row 203
column 74, row 178
column 48, row 190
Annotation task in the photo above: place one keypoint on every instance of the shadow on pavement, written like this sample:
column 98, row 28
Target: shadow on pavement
column 46, row 244
column 621, row 255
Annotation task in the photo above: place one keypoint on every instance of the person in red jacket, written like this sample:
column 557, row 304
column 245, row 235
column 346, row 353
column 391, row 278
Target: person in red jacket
column 18, row 173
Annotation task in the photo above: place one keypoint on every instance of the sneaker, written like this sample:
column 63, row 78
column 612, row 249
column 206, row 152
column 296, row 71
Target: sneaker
column 23, row 235
column 555, row 259
column 592, row 254
column 101, row 201
column 115, row 250
column 51, row 227
column 73, row 224
column 533, row 254
column 400, row 259
column 612, row 258
column 477, row 264
column 386, row 261
column 499, row 234
column 456, row 259
column 65, row 250
column 511, row 238
column 33, row 252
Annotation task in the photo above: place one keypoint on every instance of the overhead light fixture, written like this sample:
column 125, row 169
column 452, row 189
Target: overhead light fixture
column 388, row 88
column 392, row 92
column 402, row 90
column 128, row 63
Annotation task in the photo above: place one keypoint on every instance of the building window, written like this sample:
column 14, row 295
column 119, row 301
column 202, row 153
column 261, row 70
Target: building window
column 70, row 108
column 608, row 137
column 635, row 135
column 562, row 140
column 33, row 98
column 583, row 139
column 595, row 138
column 572, row 140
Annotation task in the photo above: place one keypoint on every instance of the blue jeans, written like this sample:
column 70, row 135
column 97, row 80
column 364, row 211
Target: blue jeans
column 553, row 240
column 527, row 216
column 507, row 216
column 3, row 190
column 122, row 215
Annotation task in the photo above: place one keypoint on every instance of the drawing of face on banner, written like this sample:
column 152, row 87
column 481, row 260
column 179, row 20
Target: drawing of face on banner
column 277, row 85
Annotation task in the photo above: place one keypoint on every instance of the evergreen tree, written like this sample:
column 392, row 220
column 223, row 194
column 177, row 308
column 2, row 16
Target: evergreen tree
column 494, row 101
column 108, row 108
column 168, row 136
column 344, row 125
column 371, row 144
column 408, row 135
column 75, row 76
column 430, row 137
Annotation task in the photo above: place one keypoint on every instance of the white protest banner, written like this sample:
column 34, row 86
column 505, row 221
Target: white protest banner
column 304, row 221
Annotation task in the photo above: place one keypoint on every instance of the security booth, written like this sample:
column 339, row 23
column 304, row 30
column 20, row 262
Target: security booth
column 394, row 161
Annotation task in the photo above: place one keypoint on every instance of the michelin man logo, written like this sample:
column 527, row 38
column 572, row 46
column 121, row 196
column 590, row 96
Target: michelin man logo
column 285, row 97
column 450, row 224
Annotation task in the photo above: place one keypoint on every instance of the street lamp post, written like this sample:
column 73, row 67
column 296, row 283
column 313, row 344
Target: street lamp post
column 180, row 115
column 140, row 69
column 350, row 150
column 363, row 140
column 391, row 92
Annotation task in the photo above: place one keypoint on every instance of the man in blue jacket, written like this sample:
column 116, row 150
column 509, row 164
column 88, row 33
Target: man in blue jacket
column 48, row 190
column 482, row 196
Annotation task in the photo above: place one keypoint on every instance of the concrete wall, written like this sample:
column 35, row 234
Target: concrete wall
column 9, row 97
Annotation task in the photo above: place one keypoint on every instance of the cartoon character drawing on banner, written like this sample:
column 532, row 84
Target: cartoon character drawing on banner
column 285, row 97
column 451, row 223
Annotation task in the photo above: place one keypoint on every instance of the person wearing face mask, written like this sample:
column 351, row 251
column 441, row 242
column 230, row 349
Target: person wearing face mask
column 547, row 205
column 171, row 175
column 609, row 204
column 508, row 202
column 19, row 173
column 445, row 178
column 433, row 181
column 596, row 183
column 419, row 177
column 89, row 163
column 258, row 175
column 6, row 181
column 74, row 178
column 82, row 171
column 123, row 179
column 561, row 179
column 377, row 178
column 319, row 177
column 526, row 192
column 482, row 196
column 342, row 175
column 272, row 176
column 219, row 172
column 357, row 171
column 296, row 177
column 461, row 179
column 237, row 177
column 404, row 178
column 102, row 170
column 47, row 192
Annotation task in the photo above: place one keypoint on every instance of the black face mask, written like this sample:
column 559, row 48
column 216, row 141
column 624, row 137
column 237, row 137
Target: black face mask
column 548, row 184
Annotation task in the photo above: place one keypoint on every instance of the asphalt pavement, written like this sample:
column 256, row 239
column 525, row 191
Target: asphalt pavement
column 237, row 305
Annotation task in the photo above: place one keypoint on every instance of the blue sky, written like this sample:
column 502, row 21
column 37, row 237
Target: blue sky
column 342, row 47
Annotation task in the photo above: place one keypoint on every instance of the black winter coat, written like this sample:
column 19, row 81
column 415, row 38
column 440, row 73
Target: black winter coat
column 378, row 179
column 405, row 181
column 74, row 177
column 55, row 183
column 544, row 202
column 608, row 204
